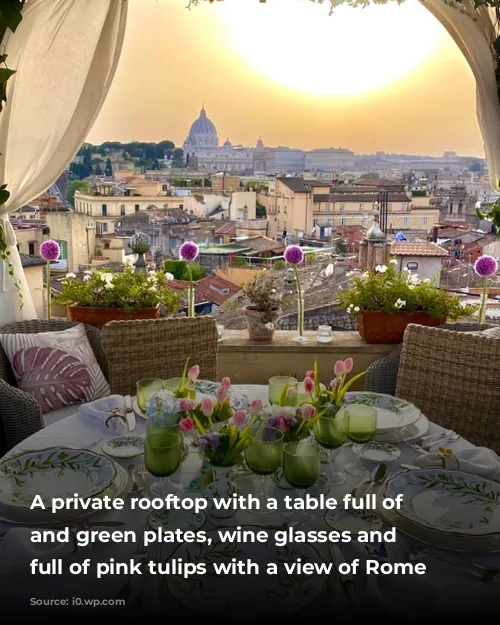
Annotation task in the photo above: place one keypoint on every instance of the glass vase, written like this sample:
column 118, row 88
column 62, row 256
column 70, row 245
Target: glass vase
column 220, row 488
column 300, row 338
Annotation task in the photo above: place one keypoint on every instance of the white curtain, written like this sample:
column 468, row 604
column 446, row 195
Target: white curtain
column 474, row 30
column 66, row 53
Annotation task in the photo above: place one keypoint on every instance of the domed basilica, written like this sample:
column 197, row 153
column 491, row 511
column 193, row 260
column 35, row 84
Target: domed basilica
column 202, row 150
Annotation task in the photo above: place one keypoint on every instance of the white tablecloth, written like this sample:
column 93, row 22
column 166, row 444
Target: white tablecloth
column 80, row 431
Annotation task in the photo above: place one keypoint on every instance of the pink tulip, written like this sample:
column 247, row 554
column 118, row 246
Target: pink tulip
column 348, row 364
column 291, row 392
column 309, row 385
column 186, row 425
column 339, row 367
column 256, row 407
column 222, row 393
column 207, row 407
column 308, row 412
column 310, row 374
column 226, row 382
column 282, row 424
column 239, row 418
column 186, row 405
column 193, row 373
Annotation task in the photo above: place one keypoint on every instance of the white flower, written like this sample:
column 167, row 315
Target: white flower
column 107, row 277
column 350, row 308
column 87, row 277
column 381, row 268
column 413, row 279
column 269, row 326
column 427, row 280
column 365, row 275
column 356, row 309
column 411, row 287
column 87, row 272
column 329, row 270
column 393, row 261
column 273, row 290
column 399, row 303
column 152, row 272
column 70, row 275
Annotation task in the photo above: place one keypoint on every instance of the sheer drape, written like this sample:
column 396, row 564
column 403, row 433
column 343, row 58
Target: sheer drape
column 65, row 53
column 474, row 31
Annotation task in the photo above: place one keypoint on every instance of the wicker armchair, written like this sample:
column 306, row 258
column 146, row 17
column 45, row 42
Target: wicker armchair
column 381, row 376
column 20, row 414
column 453, row 378
column 158, row 348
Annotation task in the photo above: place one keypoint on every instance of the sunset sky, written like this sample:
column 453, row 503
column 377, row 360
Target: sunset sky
column 386, row 78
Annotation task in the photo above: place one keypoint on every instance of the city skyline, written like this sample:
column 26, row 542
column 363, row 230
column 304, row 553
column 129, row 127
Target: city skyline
column 417, row 112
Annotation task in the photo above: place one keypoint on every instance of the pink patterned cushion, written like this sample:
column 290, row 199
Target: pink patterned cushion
column 58, row 368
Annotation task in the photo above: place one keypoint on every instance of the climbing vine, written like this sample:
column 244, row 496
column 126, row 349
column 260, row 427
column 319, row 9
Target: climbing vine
column 10, row 18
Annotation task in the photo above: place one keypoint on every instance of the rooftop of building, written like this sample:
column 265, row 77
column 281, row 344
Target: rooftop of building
column 212, row 289
column 418, row 248
column 30, row 260
column 302, row 185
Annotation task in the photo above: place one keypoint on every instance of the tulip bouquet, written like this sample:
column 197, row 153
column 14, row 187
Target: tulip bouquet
column 327, row 400
column 295, row 423
column 163, row 409
column 186, row 385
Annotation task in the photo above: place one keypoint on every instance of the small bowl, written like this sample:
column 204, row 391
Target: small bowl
column 124, row 447
column 374, row 453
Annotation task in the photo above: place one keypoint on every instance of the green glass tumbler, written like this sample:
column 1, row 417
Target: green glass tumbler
column 276, row 386
column 144, row 390
column 362, row 422
column 331, row 433
column 162, row 453
column 301, row 461
column 263, row 457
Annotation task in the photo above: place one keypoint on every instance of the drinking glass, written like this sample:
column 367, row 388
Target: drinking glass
column 276, row 386
column 324, row 334
column 362, row 425
column 301, row 469
column 144, row 390
column 331, row 432
column 263, row 457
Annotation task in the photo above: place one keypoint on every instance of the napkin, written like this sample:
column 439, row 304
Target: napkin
column 477, row 460
column 103, row 409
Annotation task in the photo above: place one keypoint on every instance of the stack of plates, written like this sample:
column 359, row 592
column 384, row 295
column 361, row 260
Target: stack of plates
column 447, row 509
column 56, row 472
column 203, row 388
column 397, row 419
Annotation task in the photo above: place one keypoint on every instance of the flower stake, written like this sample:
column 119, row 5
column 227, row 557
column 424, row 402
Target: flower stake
column 295, row 256
column 485, row 267
column 50, row 252
column 188, row 252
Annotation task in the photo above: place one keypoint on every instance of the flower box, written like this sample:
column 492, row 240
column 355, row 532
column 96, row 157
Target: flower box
column 378, row 326
column 97, row 317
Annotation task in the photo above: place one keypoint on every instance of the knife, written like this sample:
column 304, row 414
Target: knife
column 130, row 414
column 347, row 579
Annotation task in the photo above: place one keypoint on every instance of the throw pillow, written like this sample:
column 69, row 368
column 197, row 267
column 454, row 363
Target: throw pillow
column 492, row 333
column 58, row 368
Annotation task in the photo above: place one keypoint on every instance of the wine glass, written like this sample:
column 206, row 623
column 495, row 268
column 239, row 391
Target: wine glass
column 362, row 426
column 331, row 432
column 276, row 386
column 162, row 457
column 301, row 469
column 144, row 390
column 263, row 457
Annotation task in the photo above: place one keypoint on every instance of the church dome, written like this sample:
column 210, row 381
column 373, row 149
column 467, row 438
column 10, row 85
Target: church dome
column 203, row 125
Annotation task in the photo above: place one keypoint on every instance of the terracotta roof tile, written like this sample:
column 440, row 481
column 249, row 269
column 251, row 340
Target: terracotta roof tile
column 418, row 249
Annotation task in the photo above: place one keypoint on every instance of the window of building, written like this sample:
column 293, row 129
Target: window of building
column 164, row 187
column 425, row 221
column 412, row 266
column 122, row 210
column 342, row 207
column 137, row 208
column 31, row 248
column 329, row 221
column 327, row 207
column 405, row 221
column 104, row 227
column 104, row 210
column 361, row 207
column 63, row 245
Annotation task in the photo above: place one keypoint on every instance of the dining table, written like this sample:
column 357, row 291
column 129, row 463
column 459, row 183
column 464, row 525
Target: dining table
column 444, row 589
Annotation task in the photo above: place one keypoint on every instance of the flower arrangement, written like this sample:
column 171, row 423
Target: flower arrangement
column 295, row 423
column 188, row 378
column 188, row 252
column 214, row 410
column 392, row 291
column 485, row 267
column 164, row 409
column 129, row 290
column 263, row 296
column 50, row 252
column 328, row 400
column 294, row 255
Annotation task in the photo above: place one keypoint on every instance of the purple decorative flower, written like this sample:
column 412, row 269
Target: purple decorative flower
column 294, row 255
column 50, row 250
column 189, row 251
column 486, row 266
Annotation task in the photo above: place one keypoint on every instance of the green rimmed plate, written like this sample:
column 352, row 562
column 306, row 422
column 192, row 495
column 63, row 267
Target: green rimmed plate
column 124, row 447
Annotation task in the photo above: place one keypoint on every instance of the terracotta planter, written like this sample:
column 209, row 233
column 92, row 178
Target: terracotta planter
column 99, row 316
column 377, row 326
column 257, row 330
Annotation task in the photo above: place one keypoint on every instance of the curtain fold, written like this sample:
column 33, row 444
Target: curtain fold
column 474, row 31
column 66, row 53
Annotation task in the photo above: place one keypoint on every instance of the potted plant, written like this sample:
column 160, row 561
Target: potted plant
column 385, row 301
column 264, row 307
column 102, row 296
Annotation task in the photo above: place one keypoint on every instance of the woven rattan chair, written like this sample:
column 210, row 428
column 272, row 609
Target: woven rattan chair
column 20, row 414
column 453, row 378
column 381, row 376
column 158, row 348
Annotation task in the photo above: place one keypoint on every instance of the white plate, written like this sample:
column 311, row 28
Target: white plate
column 124, row 447
column 43, row 518
column 53, row 472
column 393, row 413
column 409, row 433
column 376, row 451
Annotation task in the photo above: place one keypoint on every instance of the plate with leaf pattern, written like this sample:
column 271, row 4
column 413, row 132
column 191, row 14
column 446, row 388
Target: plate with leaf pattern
column 51, row 473
column 393, row 413
column 448, row 501
column 220, row 595
column 124, row 447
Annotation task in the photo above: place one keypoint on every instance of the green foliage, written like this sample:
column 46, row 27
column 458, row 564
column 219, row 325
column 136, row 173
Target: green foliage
column 180, row 270
column 393, row 291
column 493, row 215
column 341, row 247
column 311, row 258
column 279, row 265
column 130, row 290
column 109, row 169
column 178, row 158
column 262, row 295
column 419, row 193
column 239, row 262
column 76, row 185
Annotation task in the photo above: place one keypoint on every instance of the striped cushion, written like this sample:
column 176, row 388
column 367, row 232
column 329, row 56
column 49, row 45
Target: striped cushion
column 58, row 368
column 492, row 333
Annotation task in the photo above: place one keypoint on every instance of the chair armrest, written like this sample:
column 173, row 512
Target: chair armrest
column 20, row 415
column 382, row 375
